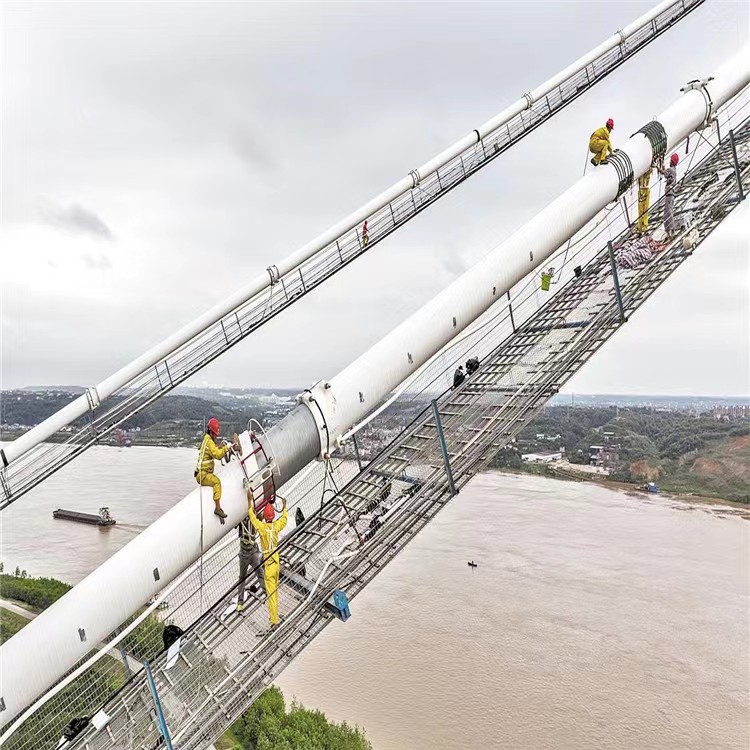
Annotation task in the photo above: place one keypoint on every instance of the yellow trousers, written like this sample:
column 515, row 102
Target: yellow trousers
column 644, row 200
column 599, row 147
column 209, row 479
column 271, row 574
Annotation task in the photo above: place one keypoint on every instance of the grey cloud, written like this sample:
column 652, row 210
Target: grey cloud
column 98, row 262
column 79, row 220
column 450, row 258
column 218, row 138
column 251, row 150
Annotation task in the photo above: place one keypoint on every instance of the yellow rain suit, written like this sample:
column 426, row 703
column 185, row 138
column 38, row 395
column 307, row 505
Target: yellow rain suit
column 204, row 469
column 269, row 542
column 644, row 200
column 599, row 144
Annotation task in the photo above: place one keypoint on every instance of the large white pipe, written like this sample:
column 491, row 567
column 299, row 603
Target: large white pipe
column 354, row 392
column 50, row 645
column 81, row 405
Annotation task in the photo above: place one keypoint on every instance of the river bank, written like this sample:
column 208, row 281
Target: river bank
column 549, row 471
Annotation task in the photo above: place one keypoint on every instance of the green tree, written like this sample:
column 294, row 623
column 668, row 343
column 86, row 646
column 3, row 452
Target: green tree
column 267, row 725
column 38, row 592
column 10, row 624
column 268, row 709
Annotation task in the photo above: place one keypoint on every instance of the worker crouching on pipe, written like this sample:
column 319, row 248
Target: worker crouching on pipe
column 268, row 529
column 599, row 143
column 204, row 469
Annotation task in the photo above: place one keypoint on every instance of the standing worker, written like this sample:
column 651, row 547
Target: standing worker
column 250, row 556
column 365, row 234
column 670, row 188
column 268, row 530
column 204, row 469
column 644, row 200
column 599, row 143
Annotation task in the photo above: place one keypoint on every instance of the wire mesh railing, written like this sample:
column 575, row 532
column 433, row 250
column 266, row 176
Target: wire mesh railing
column 43, row 460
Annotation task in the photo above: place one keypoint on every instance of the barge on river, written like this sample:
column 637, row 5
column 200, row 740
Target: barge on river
column 103, row 518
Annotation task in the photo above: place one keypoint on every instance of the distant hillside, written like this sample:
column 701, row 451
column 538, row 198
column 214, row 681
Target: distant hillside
column 682, row 452
column 32, row 407
column 668, row 403
column 172, row 420
column 720, row 468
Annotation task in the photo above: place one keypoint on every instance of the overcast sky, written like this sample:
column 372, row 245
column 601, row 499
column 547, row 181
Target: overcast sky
column 158, row 155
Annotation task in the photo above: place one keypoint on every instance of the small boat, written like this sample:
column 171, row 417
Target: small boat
column 103, row 518
column 472, row 564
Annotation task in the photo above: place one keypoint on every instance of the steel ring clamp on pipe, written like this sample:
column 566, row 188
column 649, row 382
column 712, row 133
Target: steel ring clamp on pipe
column 709, row 104
column 92, row 395
column 273, row 272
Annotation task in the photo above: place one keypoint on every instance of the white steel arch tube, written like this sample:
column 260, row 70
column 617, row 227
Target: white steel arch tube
column 80, row 406
column 50, row 645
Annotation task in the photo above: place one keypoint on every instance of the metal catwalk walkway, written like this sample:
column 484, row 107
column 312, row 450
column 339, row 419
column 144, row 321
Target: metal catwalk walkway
column 45, row 459
column 227, row 659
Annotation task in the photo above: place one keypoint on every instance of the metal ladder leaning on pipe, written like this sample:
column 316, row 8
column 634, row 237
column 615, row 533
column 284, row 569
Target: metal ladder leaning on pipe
column 221, row 670
column 103, row 415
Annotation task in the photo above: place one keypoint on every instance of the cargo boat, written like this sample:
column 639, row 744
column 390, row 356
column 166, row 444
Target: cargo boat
column 103, row 518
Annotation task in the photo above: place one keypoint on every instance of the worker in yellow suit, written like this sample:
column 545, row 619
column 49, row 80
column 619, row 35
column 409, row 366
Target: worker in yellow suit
column 644, row 200
column 268, row 531
column 599, row 143
column 204, row 469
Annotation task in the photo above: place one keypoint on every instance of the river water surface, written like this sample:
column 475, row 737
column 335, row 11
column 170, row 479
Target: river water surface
column 595, row 619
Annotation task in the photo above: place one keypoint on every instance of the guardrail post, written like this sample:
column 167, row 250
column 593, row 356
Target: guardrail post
column 356, row 452
column 510, row 309
column 627, row 213
column 124, row 657
column 737, row 172
column 618, row 292
column 444, row 448
column 157, row 703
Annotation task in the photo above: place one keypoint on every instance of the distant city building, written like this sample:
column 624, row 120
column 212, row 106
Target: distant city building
column 541, row 458
column 604, row 456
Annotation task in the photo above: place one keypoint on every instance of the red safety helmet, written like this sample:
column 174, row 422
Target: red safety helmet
column 213, row 426
column 674, row 159
column 268, row 512
column 611, row 124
